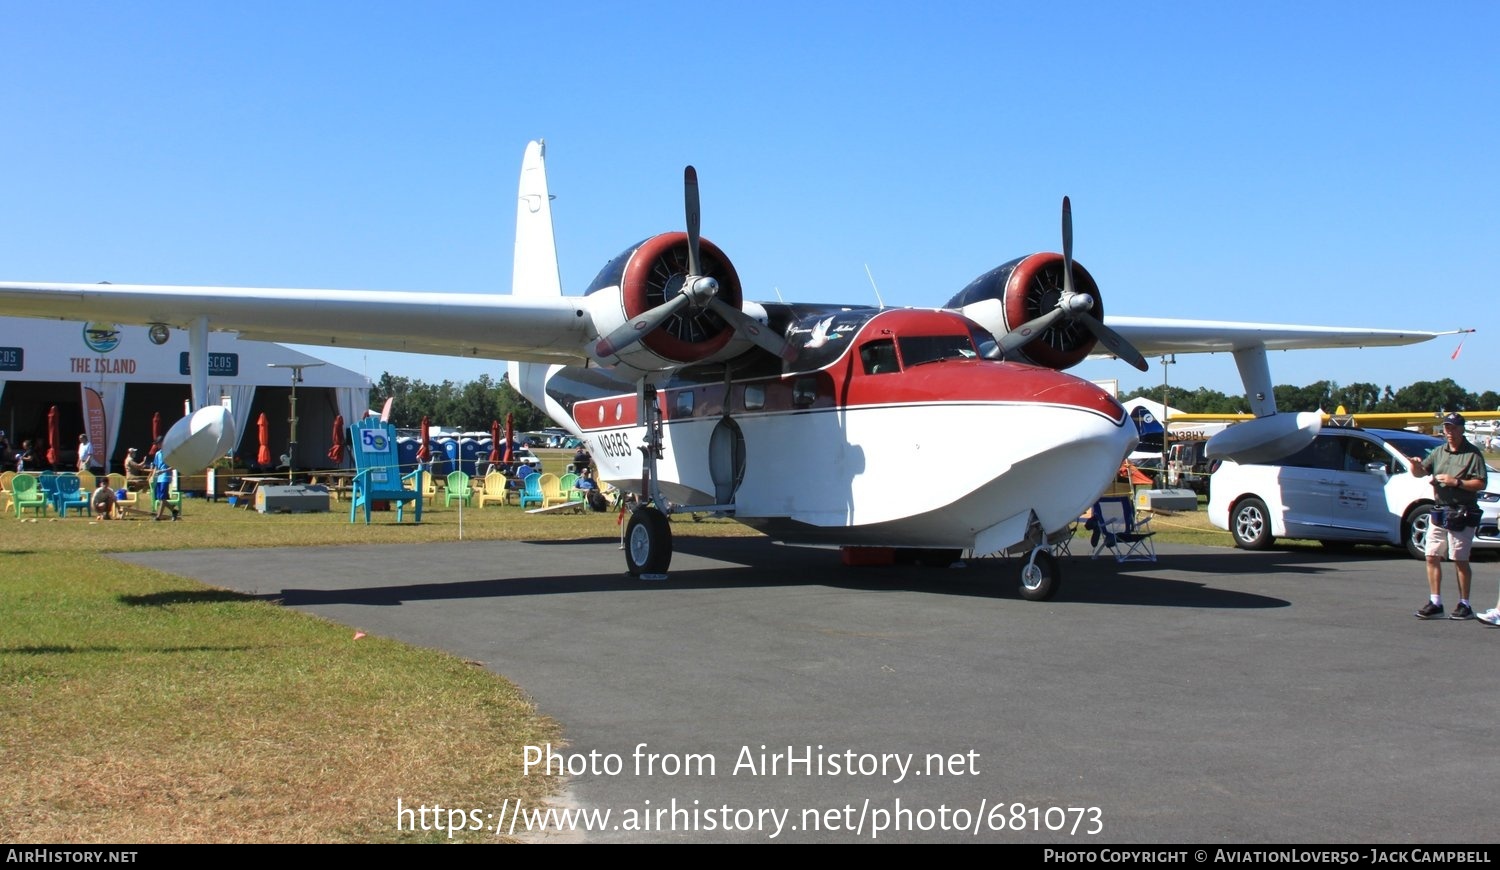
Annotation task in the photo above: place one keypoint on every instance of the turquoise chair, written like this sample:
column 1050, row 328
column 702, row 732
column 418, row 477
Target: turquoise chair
column 378, row 477
column 532, row 494
column 47, row 483
column 69, row 494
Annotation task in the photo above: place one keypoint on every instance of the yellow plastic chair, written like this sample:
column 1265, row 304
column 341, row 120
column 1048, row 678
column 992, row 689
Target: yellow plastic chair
column 124, row 498
column 495, row 490
column 552, row 491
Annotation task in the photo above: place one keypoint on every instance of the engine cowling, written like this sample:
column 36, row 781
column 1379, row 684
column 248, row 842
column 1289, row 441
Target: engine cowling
column 1025, row 288
column 649, row 274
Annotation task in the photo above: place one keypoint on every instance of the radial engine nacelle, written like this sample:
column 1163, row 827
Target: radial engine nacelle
column 1013, row 295
column 636, row 284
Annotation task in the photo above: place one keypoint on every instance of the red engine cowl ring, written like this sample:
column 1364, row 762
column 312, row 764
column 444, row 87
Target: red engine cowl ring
column 1033, row 289
column 654, row 274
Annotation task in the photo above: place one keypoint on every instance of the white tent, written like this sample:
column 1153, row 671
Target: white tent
column 108, row 381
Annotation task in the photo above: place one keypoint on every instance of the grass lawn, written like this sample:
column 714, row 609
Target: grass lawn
column 136, row 706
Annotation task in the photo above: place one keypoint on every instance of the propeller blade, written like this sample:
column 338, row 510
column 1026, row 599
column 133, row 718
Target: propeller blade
column 753, row 329
column 633, row 331
column 694, row 218
column 1067, row 233
column 1025, row 333
column 1114, row 341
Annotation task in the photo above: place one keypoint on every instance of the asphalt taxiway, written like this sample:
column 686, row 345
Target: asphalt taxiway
column 1214, row 696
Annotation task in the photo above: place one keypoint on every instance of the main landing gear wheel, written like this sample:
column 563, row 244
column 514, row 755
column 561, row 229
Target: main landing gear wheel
column 648, row 544
column 1040, row 577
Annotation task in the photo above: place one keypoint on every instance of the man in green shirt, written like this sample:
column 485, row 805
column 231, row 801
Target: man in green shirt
column 1458, row 474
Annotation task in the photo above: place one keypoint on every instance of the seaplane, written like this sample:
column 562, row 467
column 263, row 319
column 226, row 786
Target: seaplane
column 814, row 423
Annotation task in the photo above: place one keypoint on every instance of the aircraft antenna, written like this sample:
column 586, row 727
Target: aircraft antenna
column 873, row 284
column 778, row 295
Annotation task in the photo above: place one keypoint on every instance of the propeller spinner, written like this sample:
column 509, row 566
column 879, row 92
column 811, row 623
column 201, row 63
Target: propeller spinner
column 696, row 290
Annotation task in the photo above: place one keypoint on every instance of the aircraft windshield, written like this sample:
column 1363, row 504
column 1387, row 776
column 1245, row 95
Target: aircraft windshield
column 919, row 349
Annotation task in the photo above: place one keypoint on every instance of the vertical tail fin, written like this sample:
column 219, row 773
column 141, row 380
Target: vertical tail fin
column 535, row 265
column 534, row 268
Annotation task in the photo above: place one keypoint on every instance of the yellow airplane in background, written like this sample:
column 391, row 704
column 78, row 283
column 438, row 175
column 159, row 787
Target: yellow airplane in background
column 1341, row 417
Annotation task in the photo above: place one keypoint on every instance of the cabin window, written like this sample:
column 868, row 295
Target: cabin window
column 683, row 405
column 879, row 357
column 919, row 349
column 755, row 397
column 805, row 392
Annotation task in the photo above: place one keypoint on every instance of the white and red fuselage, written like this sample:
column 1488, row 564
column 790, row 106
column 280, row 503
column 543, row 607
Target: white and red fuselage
column 889, row 429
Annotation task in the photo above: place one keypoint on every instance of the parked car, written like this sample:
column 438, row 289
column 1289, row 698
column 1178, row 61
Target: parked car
column 1349, row 486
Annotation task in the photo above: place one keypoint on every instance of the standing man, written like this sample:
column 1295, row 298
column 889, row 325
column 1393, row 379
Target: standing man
column 1458, row 474
column 85, row 454
column 161, row 483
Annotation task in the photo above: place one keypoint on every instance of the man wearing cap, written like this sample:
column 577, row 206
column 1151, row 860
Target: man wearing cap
column 137, row 473
column 1458, row 474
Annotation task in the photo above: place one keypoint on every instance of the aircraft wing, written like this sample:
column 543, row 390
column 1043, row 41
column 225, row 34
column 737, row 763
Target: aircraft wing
column 544, row 329
column 1154, row 336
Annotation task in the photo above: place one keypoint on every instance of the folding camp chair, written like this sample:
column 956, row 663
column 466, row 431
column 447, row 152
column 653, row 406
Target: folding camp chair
column 1116, row 529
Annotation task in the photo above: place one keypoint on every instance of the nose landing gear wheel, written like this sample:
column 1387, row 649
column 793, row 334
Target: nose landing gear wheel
column 1040, row 577
column 648, row 544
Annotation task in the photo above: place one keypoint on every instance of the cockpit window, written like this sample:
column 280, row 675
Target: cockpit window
column 919, row 349
column 879, row 357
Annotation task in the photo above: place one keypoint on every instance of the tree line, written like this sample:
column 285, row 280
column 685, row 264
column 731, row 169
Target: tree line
column 1357, row 398
column 471, row 406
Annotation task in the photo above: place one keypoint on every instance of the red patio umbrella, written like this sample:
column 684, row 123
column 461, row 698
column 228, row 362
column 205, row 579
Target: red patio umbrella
column 156, row 426
column 336, row 452
column 54, row 435
column 510, row 438
column 494, row 442
column 424, row 452
column 263, row 430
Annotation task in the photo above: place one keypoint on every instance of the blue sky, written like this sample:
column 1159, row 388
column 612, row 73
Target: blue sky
column 1323, row 163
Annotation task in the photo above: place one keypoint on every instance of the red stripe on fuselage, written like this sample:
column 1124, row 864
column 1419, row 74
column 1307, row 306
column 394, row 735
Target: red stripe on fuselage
column 843, row 382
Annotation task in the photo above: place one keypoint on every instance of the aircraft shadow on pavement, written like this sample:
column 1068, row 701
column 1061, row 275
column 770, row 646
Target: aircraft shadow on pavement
column 752, row 563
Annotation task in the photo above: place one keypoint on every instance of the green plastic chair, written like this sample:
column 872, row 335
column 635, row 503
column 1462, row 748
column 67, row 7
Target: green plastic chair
column 174, row 499
column 458, row 488
column 24, row 493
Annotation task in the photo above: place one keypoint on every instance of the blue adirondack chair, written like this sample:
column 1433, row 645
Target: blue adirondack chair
column 377, row 474
column 532, row 494
column 69, row 494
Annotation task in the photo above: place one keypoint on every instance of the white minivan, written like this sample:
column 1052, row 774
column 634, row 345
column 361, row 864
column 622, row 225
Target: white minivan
column 1349, row 486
